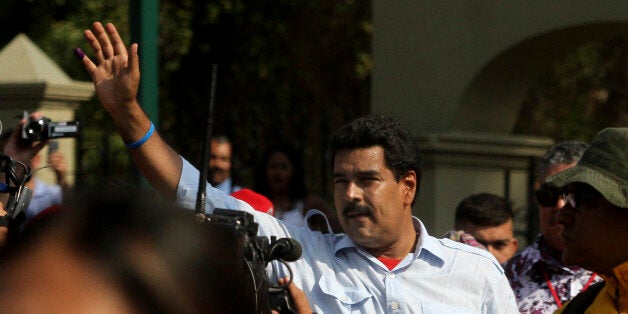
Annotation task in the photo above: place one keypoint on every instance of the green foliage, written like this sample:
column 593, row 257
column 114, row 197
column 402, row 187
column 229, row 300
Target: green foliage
column 57, row 28
column 581, row 94
column 290, row 70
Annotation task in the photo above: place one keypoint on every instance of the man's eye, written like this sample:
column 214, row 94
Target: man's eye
column 498, row 245
column 368, row 180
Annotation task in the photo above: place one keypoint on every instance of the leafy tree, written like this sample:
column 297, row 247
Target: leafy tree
column 57, row 27
column 293, row 71
column 289, row 70
column 581, row 94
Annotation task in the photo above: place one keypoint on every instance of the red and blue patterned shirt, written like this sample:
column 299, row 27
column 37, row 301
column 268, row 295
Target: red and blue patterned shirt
column 533, row 273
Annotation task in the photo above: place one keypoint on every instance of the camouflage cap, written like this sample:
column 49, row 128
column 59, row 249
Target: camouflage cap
column 604, row 166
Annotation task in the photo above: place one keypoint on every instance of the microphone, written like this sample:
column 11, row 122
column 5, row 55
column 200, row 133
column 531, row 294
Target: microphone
column 286, row 249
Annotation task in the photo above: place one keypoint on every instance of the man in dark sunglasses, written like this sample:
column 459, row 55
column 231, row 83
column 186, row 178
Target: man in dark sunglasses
column 595, row 221
column 541, row 282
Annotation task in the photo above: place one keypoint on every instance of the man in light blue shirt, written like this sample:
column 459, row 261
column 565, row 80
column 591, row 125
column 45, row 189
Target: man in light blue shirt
column 220, row 164
column 385, row 263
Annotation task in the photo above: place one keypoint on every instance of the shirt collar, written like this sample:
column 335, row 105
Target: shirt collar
column 617, row 285
column 427, row 245
column 621, row 274
column 225, row 185
column 531, row 256
column 539, row 253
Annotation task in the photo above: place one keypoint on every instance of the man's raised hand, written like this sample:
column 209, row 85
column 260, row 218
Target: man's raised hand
column 116, row 73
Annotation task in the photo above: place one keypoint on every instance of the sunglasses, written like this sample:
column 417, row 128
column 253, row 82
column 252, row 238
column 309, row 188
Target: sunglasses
column 579, row 192
column 547, row 196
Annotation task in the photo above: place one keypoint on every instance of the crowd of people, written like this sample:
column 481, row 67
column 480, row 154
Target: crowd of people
column 129, row 253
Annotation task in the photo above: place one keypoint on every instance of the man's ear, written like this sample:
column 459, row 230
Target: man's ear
column 409, row 185
column 537, row 185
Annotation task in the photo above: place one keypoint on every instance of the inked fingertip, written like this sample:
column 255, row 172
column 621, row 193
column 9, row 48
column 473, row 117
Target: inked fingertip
column 79, row 53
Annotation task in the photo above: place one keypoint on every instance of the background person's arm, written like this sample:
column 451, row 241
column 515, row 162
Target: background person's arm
column 57, row 163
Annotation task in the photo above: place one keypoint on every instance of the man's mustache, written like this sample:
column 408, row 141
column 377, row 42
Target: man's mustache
column 356, row 209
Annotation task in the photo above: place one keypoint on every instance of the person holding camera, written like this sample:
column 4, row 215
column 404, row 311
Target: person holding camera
column 15, row 171
column 384, row 262
column 44, row 195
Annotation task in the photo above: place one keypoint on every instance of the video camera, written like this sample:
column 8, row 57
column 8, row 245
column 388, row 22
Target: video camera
column 16, row 174
column 237, row 229
column 43, row 128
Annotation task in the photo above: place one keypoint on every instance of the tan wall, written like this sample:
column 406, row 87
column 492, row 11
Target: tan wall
column 465, row 65
column 456, row 165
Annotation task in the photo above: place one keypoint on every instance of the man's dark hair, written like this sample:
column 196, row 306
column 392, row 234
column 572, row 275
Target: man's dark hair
column 401, row 153
column 562, row 153
column 484, row 210
column 222, row 139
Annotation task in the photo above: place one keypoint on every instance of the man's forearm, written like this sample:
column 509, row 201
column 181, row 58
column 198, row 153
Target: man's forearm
column 154, row 158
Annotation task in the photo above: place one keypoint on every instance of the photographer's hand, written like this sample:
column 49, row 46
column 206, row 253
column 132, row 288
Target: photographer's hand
column 299, row 300
column 19, row 149
column 4, row 230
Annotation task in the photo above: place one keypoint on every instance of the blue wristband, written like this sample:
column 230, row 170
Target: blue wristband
column 143, row 140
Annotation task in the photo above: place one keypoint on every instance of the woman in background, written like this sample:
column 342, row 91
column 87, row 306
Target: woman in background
column 280, row 177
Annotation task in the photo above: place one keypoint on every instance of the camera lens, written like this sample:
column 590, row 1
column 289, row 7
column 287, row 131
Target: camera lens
column 35, row 129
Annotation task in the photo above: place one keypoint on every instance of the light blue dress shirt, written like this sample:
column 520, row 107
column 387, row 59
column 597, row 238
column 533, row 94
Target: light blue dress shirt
column 44, row 196
column 441, row 276
column 227, row 186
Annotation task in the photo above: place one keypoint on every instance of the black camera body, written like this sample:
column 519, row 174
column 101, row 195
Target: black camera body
column 44, row 128
column 238, row 230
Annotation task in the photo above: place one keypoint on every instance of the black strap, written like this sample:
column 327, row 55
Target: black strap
column 4, row 221
column 583, row 300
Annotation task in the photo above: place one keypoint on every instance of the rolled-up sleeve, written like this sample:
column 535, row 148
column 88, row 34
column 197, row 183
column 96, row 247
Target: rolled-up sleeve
column 188, row 188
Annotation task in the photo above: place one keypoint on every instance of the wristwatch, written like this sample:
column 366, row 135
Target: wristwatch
column 4, row 221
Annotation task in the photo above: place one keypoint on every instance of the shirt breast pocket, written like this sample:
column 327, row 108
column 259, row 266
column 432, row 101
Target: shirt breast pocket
column 438, row 308
column 350, row 298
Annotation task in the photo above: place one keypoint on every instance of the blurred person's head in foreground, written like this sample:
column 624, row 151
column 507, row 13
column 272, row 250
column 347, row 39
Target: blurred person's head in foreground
column 117, row 251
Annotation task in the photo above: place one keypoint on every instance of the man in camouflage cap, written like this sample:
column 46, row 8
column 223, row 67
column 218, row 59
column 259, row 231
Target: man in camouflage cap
column 595, row 220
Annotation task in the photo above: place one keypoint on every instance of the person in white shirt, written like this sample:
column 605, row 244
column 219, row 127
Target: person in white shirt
column 220, row 164
column 384, row 262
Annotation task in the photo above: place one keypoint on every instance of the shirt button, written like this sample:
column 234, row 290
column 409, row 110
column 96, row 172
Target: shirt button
column 343, row 299
column 394, row 305
column 392, row 275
